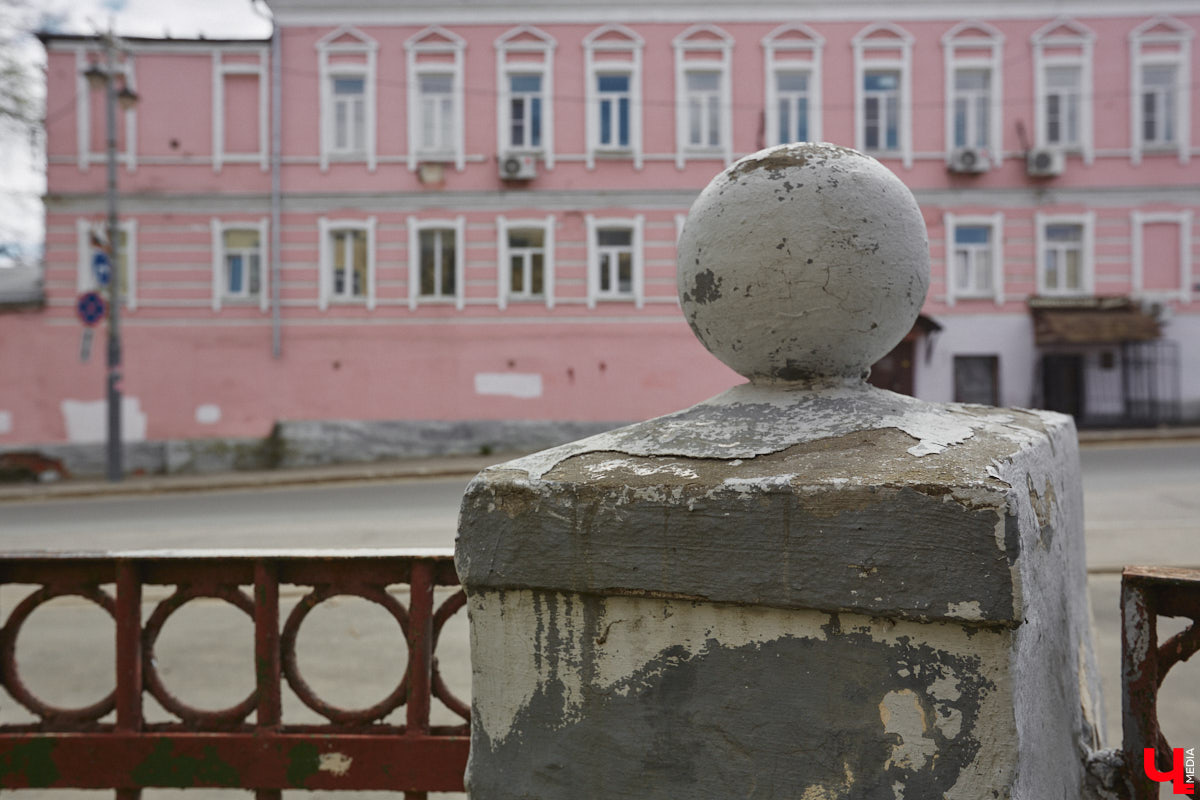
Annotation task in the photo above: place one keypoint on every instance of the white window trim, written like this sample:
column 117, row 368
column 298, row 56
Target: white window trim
column 83, row 114
column 221, row 70
column 773, row 47
column 326, row 227
column 901, row 40
column 636, row 224
column 952, row 42
column 1087, row 247
column 1183, row 219
column 505, row 70
column 415, row 226
column 1083, row 39
column 415, row 48
column 595, row 64
column 365, row 48
column 715, row 58
column 996, row 223
column 218, row 261
column 1181, row 59
column 84, row 280
column 504, row 275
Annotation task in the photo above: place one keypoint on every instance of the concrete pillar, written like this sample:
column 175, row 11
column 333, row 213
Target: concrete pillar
column 804, row 587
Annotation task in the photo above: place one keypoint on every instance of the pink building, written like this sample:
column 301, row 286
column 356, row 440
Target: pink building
column 478, row 205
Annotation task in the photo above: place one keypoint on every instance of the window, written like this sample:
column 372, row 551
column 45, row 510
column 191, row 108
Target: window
column 349, row 116
column 437, row 119
column 347, row 261
column 436, row 261
column 703, row 112
column 614, row 105
column 239, row 262
column 972, row 103
column 435, row 98
column 525, row 70
column 613, row 85
column 881, row 111
column 882, row 75
column 92, row 237
column 1064, row 255
column 1158, row 105
column 526, row 250
column 1062, row 75
column 976, row 380
column 974, row 267
column 346, row 60
column 1162, row 254
column 615, row 260
column 1160, row 55
column 793, row 83
column 973, row 53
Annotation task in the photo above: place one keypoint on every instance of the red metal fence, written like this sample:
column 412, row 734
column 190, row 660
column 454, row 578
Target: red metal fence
column 1147, row 593
column 355, row 749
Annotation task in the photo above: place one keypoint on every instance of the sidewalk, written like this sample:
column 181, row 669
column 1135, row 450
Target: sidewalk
column 433, row 467
column 438, row 467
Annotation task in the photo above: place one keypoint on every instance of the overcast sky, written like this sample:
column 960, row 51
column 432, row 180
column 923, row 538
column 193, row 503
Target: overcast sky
column 22, row 178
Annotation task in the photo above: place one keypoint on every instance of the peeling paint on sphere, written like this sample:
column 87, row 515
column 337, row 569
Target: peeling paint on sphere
column 803, row 261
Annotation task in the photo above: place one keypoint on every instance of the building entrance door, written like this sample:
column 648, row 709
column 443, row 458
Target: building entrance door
column 1062, row 383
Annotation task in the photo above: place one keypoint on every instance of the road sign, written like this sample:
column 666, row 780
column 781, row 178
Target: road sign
column 101, row 267
column 90, row 308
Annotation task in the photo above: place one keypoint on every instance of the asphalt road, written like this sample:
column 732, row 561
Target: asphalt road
column 1142, row 506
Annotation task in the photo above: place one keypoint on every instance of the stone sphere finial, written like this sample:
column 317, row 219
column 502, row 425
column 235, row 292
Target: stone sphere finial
column 803, row 261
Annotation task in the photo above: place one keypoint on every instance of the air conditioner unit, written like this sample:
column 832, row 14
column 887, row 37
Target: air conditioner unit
column 968, row 160
column 515, row 167
column 1043, row 162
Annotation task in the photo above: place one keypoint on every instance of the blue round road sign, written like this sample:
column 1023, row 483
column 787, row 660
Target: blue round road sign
column 90, row 307
column 101, row 268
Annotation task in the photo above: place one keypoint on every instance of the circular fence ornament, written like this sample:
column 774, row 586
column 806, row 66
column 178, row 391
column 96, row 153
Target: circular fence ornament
column 803, row 261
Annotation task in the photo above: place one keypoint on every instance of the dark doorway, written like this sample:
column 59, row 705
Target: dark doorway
column 894, row 371
column 977, row 380
column 1063, row 384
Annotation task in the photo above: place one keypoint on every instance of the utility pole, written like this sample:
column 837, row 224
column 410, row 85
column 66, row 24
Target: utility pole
column 126, row 98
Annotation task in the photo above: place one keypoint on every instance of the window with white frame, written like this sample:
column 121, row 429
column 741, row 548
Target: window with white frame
column 92, row 238
column 239, row 262
column 90, row 135
column 349, row 101
column 346, row 59
column 240, row 106
column 793, row 84
column 526, row 250
column 973, row 53
column 436, row 261
column 435, row 98
column 1064, row 255
column 882, row 69
column 613, row 63
column 1062, row 74
column 615, row 259
column 347, row 261
column 703, row 113
column 881, row 111
column 525, row 70
column 1160, row 53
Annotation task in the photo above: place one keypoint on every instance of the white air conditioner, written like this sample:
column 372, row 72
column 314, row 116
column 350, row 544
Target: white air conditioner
column 516, row 167
column 1042, row 162
column 968, row 160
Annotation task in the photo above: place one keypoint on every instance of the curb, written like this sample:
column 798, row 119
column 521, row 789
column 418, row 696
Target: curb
column 449, row 467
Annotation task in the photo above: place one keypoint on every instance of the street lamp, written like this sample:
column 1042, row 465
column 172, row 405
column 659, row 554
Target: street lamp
column 106, row 78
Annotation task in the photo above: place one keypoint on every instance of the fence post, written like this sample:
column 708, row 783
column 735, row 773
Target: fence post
column 804, row 587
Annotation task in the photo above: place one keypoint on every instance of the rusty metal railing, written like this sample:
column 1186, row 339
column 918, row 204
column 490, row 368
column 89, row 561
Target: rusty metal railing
column 93, row 748
column 1147, row 593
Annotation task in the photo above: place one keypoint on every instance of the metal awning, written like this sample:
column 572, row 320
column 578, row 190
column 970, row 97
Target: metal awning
column 1093, row 320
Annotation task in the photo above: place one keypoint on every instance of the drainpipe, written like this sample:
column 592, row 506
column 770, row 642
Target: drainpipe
column 276, row 158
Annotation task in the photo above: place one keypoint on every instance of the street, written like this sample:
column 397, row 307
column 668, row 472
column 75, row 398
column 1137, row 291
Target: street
column 1142, row 506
